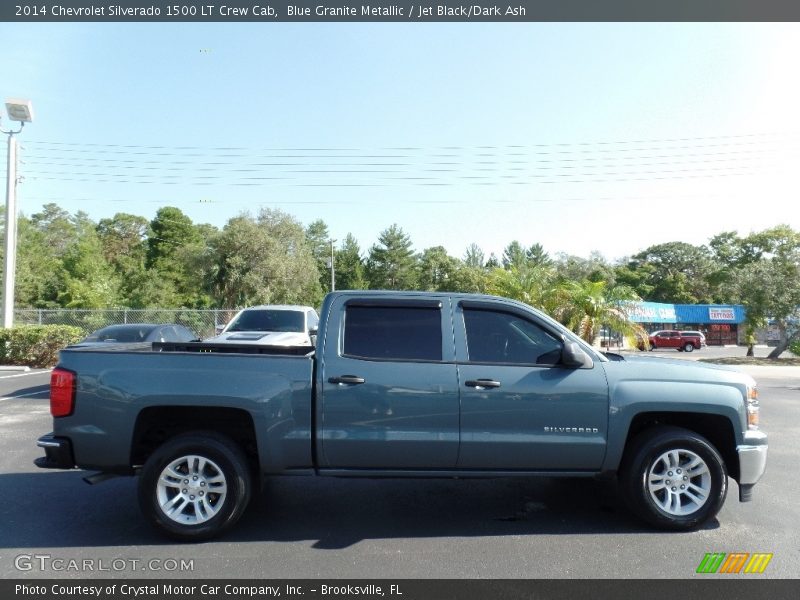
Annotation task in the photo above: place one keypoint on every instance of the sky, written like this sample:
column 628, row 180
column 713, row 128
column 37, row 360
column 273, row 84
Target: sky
column 578, row 136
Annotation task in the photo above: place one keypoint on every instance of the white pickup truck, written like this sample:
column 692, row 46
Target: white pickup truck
column 272, row 325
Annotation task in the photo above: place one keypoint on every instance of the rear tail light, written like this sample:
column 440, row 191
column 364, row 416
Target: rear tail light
column 62, row 392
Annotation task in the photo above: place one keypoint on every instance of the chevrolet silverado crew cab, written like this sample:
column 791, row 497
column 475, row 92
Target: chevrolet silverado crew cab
column 403, row 384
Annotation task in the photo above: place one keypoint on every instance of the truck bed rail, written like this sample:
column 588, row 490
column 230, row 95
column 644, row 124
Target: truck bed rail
column 232, row 348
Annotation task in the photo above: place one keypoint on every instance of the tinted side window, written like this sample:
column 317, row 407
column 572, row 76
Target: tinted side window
column 498, row 337
column 393, row 333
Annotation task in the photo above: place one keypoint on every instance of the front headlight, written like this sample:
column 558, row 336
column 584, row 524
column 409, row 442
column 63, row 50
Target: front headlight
column 752, row 408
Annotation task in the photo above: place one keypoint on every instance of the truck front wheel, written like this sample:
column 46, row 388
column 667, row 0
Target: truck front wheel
column 674, row 478
column 195, row 486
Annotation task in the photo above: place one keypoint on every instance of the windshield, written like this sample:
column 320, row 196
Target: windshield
column 268, row 320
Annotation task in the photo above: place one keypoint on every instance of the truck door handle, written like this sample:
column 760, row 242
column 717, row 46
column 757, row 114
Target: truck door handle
column 482, row 383
column 347, row 379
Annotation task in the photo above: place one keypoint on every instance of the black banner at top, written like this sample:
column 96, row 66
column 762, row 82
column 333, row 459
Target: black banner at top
column 274, row 11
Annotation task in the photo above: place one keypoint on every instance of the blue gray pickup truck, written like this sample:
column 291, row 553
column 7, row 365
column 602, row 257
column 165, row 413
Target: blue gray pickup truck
column 403, row 384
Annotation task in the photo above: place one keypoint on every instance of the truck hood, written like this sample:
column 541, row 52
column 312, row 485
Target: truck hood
column 262, row 338
column 635, row 367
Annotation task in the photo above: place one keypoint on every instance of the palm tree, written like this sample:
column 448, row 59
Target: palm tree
column 585, row 306
column 582, row 306
column 530, row 284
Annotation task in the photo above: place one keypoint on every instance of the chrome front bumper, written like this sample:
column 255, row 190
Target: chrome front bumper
column 752, row 462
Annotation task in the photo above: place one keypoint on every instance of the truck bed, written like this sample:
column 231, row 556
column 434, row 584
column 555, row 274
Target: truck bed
column 119, row 387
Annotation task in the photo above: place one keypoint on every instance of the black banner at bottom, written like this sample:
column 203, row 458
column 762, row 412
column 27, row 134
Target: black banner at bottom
column 400, row 589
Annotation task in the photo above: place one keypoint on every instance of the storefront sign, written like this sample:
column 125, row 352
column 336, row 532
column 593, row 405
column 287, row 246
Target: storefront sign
column 651, row 312
column 718, row 313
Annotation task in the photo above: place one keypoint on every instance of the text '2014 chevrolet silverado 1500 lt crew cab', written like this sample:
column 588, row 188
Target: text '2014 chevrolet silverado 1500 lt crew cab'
column 404, row 384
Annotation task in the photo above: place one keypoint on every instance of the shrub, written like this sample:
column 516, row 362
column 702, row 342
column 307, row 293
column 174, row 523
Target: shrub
column 36, row 345
column 794, row 347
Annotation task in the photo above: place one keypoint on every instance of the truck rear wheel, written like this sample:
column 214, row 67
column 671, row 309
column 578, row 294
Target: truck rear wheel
column 688, row 347
column 195, row 486
column 674, row 478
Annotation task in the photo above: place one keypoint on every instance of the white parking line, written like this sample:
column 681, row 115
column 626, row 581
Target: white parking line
column 26, row 374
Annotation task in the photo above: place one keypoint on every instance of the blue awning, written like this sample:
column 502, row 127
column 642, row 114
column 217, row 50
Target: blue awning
column 658, row 312
column 709, row 313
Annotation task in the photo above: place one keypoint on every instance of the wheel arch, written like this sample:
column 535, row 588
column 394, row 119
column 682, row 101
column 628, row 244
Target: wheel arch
column 158, row 424
column 717, row 429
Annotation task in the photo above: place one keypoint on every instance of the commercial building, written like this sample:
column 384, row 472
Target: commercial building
column 719, row 322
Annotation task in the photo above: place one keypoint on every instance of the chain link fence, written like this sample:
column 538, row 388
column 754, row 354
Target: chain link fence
column 203, row 322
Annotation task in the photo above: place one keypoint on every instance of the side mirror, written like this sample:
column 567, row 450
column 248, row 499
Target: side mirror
column 573, row 356
column 313, row 331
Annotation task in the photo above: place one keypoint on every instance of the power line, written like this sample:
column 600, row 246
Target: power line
column 253, row 166
column 419, row 148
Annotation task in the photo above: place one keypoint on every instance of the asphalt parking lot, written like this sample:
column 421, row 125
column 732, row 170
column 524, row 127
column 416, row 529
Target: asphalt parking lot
column 329, row 528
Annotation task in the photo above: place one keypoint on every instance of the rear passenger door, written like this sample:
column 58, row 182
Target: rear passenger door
column 389, row 389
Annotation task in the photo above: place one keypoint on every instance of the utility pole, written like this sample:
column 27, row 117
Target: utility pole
column 333, row 272
column 10, row 257
column 22, row 111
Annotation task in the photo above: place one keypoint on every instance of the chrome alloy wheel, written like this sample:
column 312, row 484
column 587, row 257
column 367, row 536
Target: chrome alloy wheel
column 191, row 490
column 679, row 482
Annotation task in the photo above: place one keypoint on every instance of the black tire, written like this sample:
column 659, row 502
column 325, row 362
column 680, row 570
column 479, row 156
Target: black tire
column 225, row 464
column 652, row 347
column 644, row 459
column 688, row 347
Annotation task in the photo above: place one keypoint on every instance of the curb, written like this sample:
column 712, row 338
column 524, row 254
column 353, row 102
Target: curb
column 14, row 368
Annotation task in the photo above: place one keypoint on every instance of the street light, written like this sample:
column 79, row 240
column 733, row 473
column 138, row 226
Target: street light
column 22, row 112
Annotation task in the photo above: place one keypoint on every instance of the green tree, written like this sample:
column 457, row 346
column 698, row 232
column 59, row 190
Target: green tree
column 350, row 266
column 674, row 272
column 319, row 240
column 514, row 256
column 436, row 270
column 60, row 262
column 766, row 280
column 172, row 244
column 537, row 256
column 585, row 306
column 40, row 268
column 391, row 263
column 532, row 285
column 576, row 268
column 58, row 227
column 491, row 263
column 123, row 240
column 470, row 279
column 264, row 260
column 90, row 281
column 474, row 257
